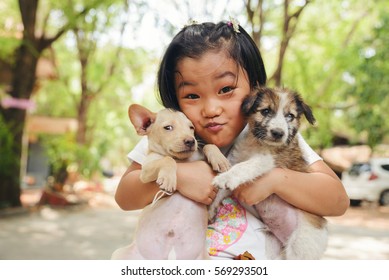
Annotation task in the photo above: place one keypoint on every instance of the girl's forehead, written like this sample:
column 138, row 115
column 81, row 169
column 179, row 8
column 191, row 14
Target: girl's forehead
column 210, row 63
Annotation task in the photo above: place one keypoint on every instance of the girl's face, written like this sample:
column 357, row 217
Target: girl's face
column 210, row 91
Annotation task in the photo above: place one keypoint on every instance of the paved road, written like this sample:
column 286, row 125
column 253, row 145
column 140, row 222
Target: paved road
column 93, row 232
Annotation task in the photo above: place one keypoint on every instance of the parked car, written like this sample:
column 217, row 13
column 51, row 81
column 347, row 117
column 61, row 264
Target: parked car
column 368, row 181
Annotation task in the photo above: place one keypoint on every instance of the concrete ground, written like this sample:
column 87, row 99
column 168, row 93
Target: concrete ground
column 94, row 230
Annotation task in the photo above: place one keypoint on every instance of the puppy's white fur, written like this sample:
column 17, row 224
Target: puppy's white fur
column 274, row 118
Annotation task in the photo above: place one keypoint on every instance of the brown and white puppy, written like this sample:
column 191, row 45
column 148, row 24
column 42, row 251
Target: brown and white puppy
column 273, row 120
column 174, row 227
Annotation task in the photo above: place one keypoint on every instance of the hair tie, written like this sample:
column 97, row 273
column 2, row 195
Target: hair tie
column 234, row 24
column 191, row 22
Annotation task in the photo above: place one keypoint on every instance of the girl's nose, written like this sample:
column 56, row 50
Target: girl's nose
column 212, row 109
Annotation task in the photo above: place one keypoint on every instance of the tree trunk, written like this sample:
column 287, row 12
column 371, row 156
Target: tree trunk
column 256, row 18
column 288, row 30
column 82, row 116
column 23, row 81
column 22, row 86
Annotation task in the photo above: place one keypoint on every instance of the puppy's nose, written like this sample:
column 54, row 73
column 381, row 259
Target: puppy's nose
column 277, row 133
column 189, row 142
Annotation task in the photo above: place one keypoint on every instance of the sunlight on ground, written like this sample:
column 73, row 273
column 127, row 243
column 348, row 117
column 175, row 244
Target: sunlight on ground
column 357, row 248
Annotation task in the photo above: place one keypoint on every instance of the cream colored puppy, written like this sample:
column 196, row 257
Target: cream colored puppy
column 173, row 227
column 171, row 138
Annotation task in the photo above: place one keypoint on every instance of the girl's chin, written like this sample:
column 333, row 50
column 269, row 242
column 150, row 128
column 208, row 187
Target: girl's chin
column 218, row 141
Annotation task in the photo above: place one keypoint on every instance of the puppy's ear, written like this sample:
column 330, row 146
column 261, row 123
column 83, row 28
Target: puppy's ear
column 250, row 103
column 305, row 109
column 141, row 118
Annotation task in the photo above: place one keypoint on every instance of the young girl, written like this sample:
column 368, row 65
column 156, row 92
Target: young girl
column 206, row 72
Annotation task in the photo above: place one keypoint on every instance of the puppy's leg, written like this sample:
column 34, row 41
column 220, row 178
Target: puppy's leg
column 215, row 158
column 163, row 171
column 309, row 240
column 212, row 209
column 219, row 163
column 279, row 216
column 244, row 172
column 273, row 247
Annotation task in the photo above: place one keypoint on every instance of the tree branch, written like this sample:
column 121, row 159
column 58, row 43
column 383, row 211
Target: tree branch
column 327, row 82
column 289, row 28
column 46, row 42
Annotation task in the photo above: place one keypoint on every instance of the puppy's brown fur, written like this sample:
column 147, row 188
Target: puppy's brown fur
column 275, row 137
column 274, row 119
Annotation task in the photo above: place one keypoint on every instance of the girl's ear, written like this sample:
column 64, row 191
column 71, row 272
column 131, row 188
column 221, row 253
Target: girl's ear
column 141, row 118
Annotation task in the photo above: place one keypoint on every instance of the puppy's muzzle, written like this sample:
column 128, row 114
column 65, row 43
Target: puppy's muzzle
column 189, row 143
column 277, row 134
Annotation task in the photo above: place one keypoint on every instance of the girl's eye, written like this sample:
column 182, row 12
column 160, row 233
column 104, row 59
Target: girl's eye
column 191, row 96
column 168, row 127
column 226, row 90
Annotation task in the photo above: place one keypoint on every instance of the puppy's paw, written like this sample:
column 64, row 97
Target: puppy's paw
column 167, row 182
column 216, row 159
column 226, row 181
column 219, row 162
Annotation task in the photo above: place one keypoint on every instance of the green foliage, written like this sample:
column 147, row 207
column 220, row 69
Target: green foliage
column 63, row 152
column 60, row 150
column 8, row 46
column 320, row 63
column 109, row 131
column 370, row 92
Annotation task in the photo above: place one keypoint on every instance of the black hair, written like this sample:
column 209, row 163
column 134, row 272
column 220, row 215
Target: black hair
column 196, row 39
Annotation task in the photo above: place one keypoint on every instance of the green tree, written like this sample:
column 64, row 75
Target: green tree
column 35, row 40
column 96, row 75
column 369, row 92
column 40, row 31
column 319, row 58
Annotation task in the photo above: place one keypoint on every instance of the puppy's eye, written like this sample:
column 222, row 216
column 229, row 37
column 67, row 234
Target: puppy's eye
column 168, row 127
column 191, row 127
column 265, row 112
column 290, row 117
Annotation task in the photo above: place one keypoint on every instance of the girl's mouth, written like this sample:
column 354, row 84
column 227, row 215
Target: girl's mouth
column 214, row 127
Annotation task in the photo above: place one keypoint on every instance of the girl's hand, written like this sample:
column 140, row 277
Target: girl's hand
column 194, row 180
column 259, row 190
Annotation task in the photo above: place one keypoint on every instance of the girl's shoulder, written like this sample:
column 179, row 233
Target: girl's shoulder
column 139, row 152
column 308, row 153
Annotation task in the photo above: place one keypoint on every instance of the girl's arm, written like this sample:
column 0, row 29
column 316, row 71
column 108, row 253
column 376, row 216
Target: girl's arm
column 319, row 192
column 193, row 181
column 131, row 193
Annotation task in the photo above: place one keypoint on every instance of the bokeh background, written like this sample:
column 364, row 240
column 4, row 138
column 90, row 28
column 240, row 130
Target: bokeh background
column 70, row 69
